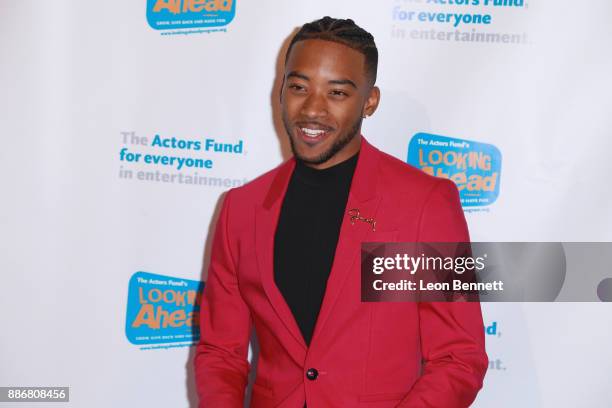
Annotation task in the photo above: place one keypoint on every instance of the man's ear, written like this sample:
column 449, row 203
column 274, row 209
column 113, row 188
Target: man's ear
column 372, row 102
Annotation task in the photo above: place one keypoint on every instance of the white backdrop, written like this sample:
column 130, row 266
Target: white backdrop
column 79, row 80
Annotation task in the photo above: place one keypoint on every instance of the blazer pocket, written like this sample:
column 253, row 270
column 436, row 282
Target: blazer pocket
column 387, row 396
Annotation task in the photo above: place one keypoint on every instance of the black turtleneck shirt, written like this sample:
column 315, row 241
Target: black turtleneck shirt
column 307, row 235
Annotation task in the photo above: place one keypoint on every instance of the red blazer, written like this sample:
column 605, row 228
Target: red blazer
column 365, row 354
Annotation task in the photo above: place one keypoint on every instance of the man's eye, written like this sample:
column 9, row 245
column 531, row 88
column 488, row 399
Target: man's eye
column 296, row 87
column 338, row 93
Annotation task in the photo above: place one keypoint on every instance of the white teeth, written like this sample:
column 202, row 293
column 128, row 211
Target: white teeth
column 312, row 132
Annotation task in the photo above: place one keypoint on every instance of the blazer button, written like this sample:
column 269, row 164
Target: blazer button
column 312, row 374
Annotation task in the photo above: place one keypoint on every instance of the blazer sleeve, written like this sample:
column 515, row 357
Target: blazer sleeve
column 221, row 365
column 452, row 334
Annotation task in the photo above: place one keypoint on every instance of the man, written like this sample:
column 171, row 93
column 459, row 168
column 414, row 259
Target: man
column 285, row 258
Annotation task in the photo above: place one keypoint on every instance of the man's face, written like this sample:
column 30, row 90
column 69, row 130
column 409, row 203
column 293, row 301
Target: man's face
column 324, row 97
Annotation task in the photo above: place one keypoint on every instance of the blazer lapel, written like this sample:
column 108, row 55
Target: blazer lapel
column 266, row 220
column 363, row 196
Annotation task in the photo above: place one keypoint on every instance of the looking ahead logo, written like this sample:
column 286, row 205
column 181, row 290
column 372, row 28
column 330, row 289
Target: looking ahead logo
column 474, row 167
column 202, row 15
column 162, row 309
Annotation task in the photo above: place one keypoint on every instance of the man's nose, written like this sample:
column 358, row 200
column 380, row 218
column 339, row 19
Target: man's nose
column 314, row 106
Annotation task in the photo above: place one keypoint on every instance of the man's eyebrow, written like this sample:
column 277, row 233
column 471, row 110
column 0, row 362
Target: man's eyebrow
column 343, row 82
column 297, row 74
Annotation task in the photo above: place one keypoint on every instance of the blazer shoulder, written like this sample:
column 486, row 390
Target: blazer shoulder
column 405, row 178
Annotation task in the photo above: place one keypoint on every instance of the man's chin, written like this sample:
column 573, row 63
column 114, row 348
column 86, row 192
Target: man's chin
column 310, row 158
column 315, row 157
column 306, row 152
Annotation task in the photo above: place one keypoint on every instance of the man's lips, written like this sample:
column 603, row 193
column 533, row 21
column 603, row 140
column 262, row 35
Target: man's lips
column 312, row 133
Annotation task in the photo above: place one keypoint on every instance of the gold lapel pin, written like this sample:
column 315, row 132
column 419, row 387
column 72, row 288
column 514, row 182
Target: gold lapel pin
column 355, row 216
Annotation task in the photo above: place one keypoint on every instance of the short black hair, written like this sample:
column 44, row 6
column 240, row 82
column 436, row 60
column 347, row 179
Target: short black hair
column 344, row 32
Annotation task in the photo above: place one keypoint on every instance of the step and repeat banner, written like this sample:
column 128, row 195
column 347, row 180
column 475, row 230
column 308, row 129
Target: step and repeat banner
column 123, row 123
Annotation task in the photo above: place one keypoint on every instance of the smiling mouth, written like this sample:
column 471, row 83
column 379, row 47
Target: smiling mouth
column 311, row 134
